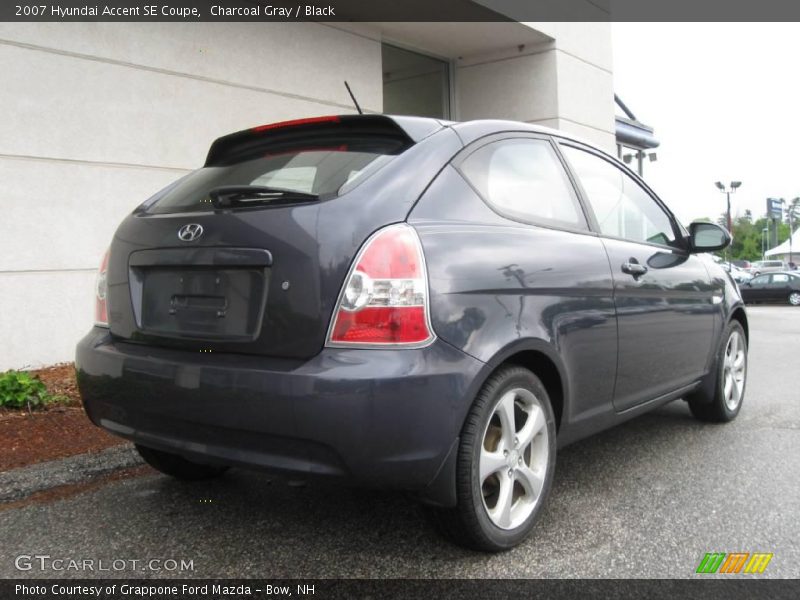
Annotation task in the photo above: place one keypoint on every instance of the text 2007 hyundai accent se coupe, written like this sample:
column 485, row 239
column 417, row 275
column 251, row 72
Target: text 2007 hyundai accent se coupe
column 406, row 303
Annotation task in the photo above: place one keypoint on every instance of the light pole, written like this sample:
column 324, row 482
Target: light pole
column 794, row 204
column 728, row 192
column 764, row 232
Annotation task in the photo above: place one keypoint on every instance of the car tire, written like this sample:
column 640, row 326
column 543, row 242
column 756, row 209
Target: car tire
column 178, row 467
column 502, row 478
column 723, row 403
column 794, row 298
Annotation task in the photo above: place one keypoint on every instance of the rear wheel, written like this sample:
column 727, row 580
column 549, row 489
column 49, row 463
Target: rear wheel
column 178, row 467
column 731, row 377
column 794, row 298
column 505, row 463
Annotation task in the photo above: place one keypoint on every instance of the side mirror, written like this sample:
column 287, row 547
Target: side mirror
column 708, row 237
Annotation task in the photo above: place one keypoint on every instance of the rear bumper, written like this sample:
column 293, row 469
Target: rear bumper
column 382, row 418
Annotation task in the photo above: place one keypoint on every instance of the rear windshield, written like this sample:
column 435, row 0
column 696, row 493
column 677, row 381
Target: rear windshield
column 322, row 168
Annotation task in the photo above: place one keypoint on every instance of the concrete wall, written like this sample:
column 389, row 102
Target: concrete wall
column 565, row 83
column 97, row 117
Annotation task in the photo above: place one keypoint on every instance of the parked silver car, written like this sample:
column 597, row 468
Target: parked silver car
column 739, row 275
column 767, row 266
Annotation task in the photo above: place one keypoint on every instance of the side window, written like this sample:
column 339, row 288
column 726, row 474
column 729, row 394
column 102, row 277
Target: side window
column 622, row 207
column 523, row 179
column 760, row 280
column 780, row 278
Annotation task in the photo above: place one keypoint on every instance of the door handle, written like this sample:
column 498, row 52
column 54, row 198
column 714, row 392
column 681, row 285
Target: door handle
column 632, row 267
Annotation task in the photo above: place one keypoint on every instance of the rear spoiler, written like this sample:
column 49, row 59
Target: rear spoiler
column 406, row 130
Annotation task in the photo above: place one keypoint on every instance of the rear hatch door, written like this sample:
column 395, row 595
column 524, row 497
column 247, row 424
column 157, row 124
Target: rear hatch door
column 248, row 253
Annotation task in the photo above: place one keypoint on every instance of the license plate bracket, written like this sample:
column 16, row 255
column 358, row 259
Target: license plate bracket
column 202, row 302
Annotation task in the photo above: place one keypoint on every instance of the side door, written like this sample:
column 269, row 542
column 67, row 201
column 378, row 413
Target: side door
column 778, row 287
column 757, row 289
column 666, row 304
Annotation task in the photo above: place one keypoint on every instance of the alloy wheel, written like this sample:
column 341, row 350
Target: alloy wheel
column 514, row 458
column 734, row 370
column 794, row 298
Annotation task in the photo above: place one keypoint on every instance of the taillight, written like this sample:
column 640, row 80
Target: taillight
column 297, row 122
column 385, row 297
column 101, row 293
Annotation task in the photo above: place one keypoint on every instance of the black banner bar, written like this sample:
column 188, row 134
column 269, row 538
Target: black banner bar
column 400, row 10
column 732, row 588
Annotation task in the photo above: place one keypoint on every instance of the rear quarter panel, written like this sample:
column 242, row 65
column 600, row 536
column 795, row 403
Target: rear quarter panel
column 498, row 286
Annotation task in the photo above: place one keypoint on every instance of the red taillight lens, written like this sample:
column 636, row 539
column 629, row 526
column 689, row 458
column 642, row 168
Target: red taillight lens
column 297, row 123
column 101, row 293
column 385, row 297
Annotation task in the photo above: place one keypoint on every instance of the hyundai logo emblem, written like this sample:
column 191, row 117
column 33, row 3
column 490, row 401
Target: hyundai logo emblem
column 190, row 232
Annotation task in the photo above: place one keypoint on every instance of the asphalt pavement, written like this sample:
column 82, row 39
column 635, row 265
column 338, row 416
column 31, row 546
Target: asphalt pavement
column 646, row 499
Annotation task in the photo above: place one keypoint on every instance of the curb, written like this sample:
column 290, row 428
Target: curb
column 19, row 483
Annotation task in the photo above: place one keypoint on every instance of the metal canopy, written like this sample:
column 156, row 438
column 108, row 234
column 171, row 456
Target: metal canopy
column 631, row 132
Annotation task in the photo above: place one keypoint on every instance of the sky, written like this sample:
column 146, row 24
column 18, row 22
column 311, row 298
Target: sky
column 724, row 100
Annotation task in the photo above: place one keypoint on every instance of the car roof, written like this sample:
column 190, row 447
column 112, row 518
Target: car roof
column 768, row 273
column 470, row 130
column 416, row 128
column 473, row 129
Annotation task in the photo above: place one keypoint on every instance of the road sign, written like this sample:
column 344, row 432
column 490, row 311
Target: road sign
column 774, row 210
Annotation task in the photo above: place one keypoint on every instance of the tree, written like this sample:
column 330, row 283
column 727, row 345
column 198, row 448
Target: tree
column 747, row 235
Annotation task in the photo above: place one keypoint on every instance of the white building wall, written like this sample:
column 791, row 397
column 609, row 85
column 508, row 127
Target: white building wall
column 565, row 83
column 99, row 116
column 585, row 80
column 521, row 87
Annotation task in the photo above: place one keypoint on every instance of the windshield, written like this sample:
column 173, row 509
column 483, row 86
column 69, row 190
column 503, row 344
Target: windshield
column 311, row 169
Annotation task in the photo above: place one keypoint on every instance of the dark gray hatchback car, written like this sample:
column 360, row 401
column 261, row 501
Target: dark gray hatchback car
column 406, row 303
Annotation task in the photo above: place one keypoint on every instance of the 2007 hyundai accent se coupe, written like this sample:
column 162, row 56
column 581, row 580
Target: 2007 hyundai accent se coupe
column 406, row 303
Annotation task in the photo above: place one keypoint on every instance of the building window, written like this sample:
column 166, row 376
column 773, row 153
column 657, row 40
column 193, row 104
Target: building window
column 415, row 84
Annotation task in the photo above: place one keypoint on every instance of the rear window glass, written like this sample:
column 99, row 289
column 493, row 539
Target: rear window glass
column 320, row 167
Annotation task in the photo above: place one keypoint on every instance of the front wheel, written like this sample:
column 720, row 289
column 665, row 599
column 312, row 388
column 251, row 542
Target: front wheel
column 724, row 403
column 794, row 298
column 505, row 464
